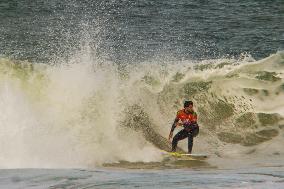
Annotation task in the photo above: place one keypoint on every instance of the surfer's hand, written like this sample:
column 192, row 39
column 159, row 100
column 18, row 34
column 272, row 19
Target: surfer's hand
column 178, row 124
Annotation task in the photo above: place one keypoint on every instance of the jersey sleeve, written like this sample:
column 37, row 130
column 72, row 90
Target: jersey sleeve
column 194, row 119
column 178, row 115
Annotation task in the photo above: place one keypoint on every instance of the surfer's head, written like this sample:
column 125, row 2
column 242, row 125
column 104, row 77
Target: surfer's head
column 188, row 105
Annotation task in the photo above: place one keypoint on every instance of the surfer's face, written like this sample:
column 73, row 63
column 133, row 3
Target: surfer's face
column 189, row 108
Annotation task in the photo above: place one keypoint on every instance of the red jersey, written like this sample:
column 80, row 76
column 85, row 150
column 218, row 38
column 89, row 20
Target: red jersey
column 184, row 117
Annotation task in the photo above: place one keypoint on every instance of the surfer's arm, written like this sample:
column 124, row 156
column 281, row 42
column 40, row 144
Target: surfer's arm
column 174, row 124
column 173, row 128
column 194, row 119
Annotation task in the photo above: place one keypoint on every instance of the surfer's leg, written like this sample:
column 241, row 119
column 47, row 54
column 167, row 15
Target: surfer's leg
column 190, row 143
column 192, row 134
column 195, row 131
column 179, row 136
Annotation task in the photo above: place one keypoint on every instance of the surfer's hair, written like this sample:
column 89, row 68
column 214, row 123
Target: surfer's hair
column 187, row 103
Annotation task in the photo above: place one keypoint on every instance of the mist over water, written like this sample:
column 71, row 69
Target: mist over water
column 135, row 31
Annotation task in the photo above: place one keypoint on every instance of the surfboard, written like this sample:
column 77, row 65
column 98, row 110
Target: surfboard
column 185, row 156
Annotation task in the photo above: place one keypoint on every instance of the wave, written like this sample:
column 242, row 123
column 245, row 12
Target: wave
column 86, row 112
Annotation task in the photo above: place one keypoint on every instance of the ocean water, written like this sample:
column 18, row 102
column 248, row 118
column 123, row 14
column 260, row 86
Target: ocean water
column 89, row 90
column 269, row 177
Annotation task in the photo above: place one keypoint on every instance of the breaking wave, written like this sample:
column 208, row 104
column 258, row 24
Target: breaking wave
column 85, row 112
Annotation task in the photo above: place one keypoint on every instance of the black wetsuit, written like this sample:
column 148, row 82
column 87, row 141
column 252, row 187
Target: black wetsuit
column 189, row 132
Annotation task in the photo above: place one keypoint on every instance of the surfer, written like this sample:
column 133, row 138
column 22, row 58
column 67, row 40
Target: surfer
column 187, row 118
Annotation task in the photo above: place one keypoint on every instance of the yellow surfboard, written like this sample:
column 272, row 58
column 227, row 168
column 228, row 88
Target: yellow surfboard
column 185, row 156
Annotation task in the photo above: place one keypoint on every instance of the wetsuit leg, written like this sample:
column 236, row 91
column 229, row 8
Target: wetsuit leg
column 179, row 136
column 193, row 133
